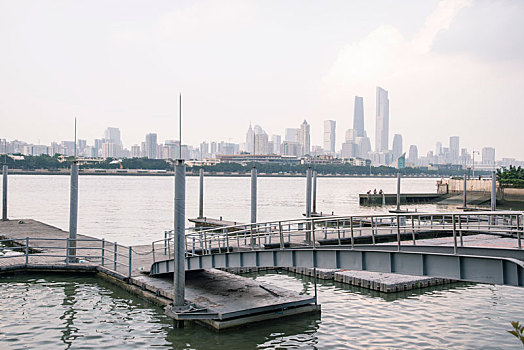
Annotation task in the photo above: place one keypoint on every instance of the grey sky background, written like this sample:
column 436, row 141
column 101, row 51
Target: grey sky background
column 451, row 68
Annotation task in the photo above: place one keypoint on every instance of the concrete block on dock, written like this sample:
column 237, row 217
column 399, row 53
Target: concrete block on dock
column 386, row 282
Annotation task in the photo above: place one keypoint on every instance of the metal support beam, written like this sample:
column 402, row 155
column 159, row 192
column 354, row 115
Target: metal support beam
column 493, row 191
column 201, row 196
column 308, row 192
column 179, row 280
column 4, row 192
column 253, row 195
column 73, row 212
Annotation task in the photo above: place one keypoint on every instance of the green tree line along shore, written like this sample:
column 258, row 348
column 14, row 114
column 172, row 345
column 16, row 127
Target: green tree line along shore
column 512, row 177
column 57, row 162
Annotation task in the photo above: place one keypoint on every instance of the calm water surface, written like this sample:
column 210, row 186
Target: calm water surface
column 137, row 210
column 62, row 312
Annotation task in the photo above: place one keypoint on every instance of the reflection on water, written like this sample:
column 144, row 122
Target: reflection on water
column 62, row 312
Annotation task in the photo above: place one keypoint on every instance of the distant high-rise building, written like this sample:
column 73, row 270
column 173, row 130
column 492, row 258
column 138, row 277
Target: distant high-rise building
column 290, row 148
column 151, row 146
column 261, row 143
column 413, row 154
column 438, row 149
column 250, row 140
column 329, row 136
column 113, row 135
column 382, row 123
column 358, row 117
column 291, row 134
column 454, row 149
column 135, row 151
column 204, row 150
column 304, row 138
column 276, row 140
column 397, row 146
column 488, row 156
column 109, row 150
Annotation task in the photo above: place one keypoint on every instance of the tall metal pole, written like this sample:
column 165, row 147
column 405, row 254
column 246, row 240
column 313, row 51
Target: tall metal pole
column 201, row 197
column 253, row 195
column 465, row 204
column 398, row 191
column 4, row 192
column 179, row 229
column 73, row 207
column 493, row 191
column 314, row 191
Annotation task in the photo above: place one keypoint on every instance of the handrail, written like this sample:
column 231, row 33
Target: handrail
column 109, row 253
column 306, row 232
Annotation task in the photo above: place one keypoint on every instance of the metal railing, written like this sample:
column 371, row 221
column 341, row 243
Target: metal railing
column 108, row 254
column 343, row 230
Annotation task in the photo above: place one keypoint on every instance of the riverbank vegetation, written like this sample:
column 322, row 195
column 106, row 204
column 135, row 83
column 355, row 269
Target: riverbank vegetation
column 512, row 177
column 58, row 162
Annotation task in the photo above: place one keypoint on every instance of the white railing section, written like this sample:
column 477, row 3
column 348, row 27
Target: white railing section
column 342, row 230
column 106, row 254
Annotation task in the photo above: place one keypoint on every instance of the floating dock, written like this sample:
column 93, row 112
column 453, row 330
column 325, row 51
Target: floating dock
column 223, row 300
column 207, row 223
column 405, row 198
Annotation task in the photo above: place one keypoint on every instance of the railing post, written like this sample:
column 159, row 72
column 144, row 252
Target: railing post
column 227, row 240
column 454, row 234
column 413, row 230
column 281, row 235
column 102, row 255
column 398, row 232
column 67, row 251
column 351, row 232
column 460, row 231
column 165, row 242
column 372, row 230
column 153, row 250
column 130, row 260
column 312, row 225
column 518, row 232
column 338, row 232
column 26, row 250
column 115, row 246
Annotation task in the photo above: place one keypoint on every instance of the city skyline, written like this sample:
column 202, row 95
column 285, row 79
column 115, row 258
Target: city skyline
column 423, row 53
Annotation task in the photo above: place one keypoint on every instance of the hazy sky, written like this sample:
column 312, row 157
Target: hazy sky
column 451, row 68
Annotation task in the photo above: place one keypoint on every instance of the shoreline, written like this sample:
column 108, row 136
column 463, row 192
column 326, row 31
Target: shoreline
column 112, row 172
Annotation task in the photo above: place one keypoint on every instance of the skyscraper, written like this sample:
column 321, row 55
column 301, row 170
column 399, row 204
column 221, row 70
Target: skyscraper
column 277, row 140
column 250, row 140
column 291, row 134
column 358, row 117
column 397, row 146
column 488, row 156
column 454, row 149
column 413, row 154
column 151, row 145
column 329, row 136
column 304, row 138
column 382, row 124
column 113, row 135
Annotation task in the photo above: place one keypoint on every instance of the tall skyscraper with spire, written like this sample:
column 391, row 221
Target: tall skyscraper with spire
column 382, row 123
column 358, row 117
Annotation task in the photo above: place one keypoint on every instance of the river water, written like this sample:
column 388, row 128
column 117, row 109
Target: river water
column 137, row 210
column 51, row 311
